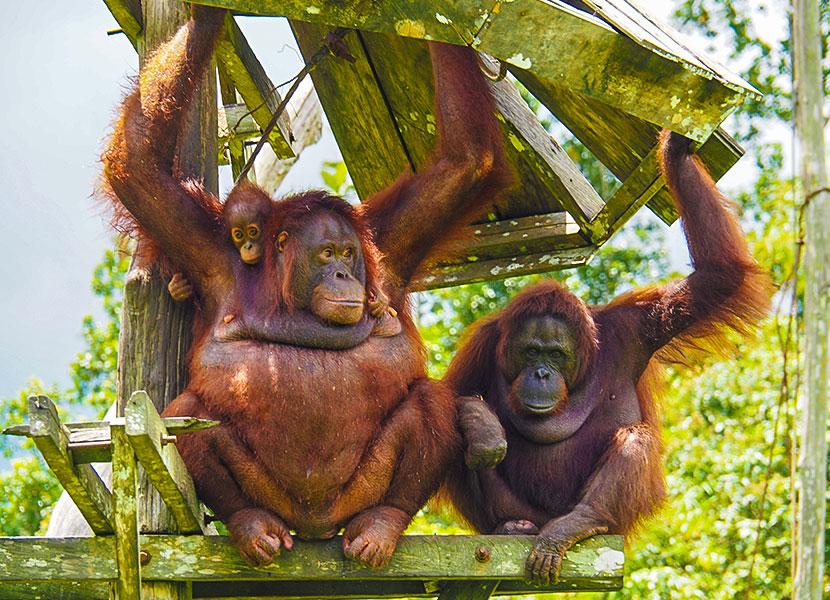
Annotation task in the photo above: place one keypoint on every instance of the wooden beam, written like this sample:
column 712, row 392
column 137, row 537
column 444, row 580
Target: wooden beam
column 156, row 451
column 253, row 84
column 499, row 239
column 231, row 146
column 501, row 268
column 548, row 178
column 554, row 40
column 622, row 141
column 595, row 563
column 548, row 160
column 638, row 189
column 125, row 517
column 81, row 482
column 155, row 331
column 307, row 127
column 363, row 127
column 127, row 14
column 90, row 441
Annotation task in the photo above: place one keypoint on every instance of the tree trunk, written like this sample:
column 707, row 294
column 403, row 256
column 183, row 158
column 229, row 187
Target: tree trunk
column 155, row 330
column 812, row 459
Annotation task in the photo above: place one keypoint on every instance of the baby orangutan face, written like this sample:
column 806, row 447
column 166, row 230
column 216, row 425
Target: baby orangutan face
column 246, row 213
column 246, row 235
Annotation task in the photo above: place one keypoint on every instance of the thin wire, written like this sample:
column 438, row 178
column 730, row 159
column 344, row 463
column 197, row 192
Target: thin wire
column 235, row 128
column 328, row 48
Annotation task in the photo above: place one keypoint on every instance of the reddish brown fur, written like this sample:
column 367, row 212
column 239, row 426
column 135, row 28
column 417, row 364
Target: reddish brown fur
column 310, row 439
column 605, row 473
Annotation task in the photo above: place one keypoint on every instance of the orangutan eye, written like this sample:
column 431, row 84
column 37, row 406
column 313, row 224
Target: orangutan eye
column 253, row 232
column 327, row 253
column 348, row 252
column 237, row 233
column 558, row 356
column 532, row 352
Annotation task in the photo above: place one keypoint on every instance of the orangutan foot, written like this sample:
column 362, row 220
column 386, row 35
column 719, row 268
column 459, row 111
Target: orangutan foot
column 258, row 534
column 371, row 536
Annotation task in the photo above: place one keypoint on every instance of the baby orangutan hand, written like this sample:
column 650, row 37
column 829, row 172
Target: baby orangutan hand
column 378, row 304
column 180, row 288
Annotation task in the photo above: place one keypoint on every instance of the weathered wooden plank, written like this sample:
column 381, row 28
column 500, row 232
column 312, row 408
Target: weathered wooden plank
column 548, row 178
column 90, row 441
column 548, row 160
column 621, row 141
column 647, row 31
column 287, row 590
column 635, row 191
column 81, row 482
column 253, row 84
column 230, row 136
column 555, row 41
column 125, row 517
column 523, row 235
column 500, row 268
column 364, row 129
column 127, row 14
column 306, row 126
column 48, row 590
column 156, row 331
column 597, row 561
column 154, row 447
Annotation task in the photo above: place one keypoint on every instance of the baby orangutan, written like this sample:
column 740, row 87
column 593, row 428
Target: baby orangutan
column 248, row 219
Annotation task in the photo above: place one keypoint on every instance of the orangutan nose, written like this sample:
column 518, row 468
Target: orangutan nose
column 542, row 373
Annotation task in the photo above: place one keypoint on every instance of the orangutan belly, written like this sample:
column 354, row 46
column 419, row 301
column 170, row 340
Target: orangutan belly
column 308, row 416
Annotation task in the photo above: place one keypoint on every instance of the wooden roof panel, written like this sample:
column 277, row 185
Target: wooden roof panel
column 608, row 71
column 557, row 42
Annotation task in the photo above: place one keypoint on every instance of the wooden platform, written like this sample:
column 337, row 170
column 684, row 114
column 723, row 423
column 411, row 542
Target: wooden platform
column 208, row 566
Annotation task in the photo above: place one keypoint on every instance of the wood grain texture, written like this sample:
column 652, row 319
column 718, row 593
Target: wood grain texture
column 556, row 41
column 595, row 561
column 162, row 463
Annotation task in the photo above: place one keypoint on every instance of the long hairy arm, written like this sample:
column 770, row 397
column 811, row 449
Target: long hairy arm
column 728, row 290
column 421, row 215
column 139, row 163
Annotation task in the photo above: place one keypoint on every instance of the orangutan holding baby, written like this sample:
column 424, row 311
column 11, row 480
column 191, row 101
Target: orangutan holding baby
column 341, row 428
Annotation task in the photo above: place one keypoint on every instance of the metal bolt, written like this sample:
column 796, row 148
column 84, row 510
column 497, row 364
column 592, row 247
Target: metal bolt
column 167, row 439
column 483, row 554
column 144, row 557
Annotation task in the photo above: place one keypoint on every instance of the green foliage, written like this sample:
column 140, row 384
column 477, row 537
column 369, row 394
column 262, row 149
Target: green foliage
column 733, row 24
column 29, row 489
column 719, row 423
column 337, row 179
column 719, row 427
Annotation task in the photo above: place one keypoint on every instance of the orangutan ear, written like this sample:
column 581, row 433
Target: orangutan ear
column 281, row 239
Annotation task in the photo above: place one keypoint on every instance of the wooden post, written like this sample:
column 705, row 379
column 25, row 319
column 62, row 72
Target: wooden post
column 156, row 331
column 812, row 459
column 125, row 517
